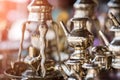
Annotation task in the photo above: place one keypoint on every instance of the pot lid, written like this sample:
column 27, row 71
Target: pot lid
column 84, row 3
column 40, row 6
column 39, row 10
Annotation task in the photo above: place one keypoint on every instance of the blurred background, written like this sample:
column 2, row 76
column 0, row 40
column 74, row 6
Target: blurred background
column 14, row 12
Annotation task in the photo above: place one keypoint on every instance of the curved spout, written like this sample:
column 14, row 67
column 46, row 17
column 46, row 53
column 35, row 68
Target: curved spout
column 64, row 28
column 70, row 72
column 67, row 70
column 114, row 19
column 104, row 38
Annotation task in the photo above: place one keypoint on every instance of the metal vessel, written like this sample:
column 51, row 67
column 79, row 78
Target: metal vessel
column 114, row 8
column 80, row 39
column 114, row 45
column 36, row 65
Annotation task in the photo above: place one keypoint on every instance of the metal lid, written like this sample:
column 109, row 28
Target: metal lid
column 39, row 6
column 84, row 3
column 39, row 10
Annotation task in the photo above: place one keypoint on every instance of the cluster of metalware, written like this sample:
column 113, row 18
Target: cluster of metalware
column 85, row 62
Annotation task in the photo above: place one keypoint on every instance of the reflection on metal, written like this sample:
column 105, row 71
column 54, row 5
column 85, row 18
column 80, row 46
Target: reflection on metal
column 36, row 65
column 114, row 8
column 80, row 39
column 114, row 4
column 86, row 8
column 85, row 62
column 79, row 36
column 103, row 57
column 114, row 45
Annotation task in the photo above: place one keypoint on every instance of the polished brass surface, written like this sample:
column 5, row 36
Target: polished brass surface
column 85, row 61
column 80, row 39
column 32, row 52
column 39, row 10
column 86, row 9
column 115, row 42
column 114, row 45
column 40, row 65
column 92, row 71
column 79, row 36
column 114, row 8
column 102, row 57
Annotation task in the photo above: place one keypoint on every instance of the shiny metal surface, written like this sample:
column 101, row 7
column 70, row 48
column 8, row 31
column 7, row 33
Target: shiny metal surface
column 114, row 44
column 39, row 10
column 80, row 39
column 39, row 64
column 114, row 8
column 84, row 63
column 79, row 36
